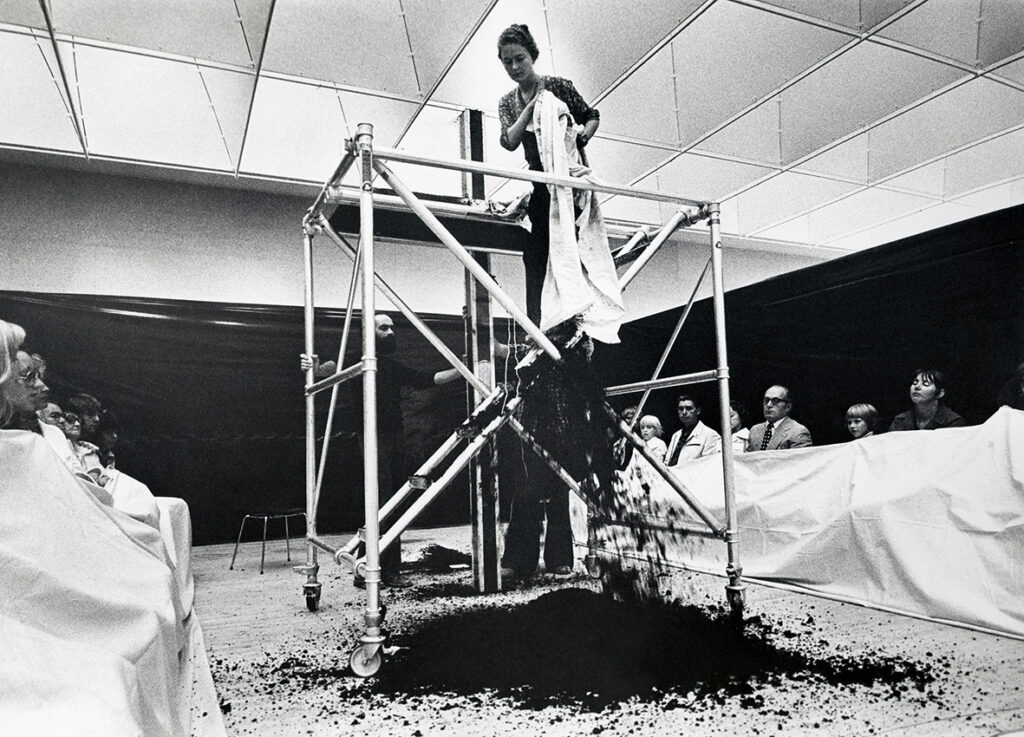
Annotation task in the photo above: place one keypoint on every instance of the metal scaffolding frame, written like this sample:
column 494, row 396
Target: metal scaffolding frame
column 497, row 408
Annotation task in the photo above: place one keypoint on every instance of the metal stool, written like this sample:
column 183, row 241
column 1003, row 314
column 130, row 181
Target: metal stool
column 266, row 517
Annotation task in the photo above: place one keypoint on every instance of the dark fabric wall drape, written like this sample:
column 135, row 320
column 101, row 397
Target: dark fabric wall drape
column 854, row 329
column 211, row 404
column 210, row 400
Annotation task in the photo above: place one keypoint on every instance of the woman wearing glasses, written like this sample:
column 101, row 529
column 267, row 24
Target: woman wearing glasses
column 22, row 391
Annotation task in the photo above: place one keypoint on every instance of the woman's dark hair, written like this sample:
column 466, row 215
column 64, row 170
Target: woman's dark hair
column 741, row 410
column 82, row 404
column 518, row 33
column 938, row 378
column 108, row 422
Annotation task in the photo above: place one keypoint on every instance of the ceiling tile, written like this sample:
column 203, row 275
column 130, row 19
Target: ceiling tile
column 22, row 13
column 1013, row 71
column 966, row 113
column 783, row 197
column 34, row 112
column 705, row 49
column 844, row 96
column 345, row 42
column 797, row 230
column 230, row 94
column 945, row 27
column 632, row 210
column 477, row 80
column 146, row 108
column 928, row 218
column 432, row 49
column 994, row 198
column 1002, row 30
column 927, row 180
column 436, row 130
column 849, row 159
column 855, row 212
column 255, row 16
column 701, row 177
column 755, row 136
column 992, row 161
column 621, row 162
column 844, row 14
column 202, row 30
column 299, row 131
column 600, row 46
column 651, row 90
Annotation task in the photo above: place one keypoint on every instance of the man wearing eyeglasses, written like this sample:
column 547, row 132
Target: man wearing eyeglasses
column 778, row 431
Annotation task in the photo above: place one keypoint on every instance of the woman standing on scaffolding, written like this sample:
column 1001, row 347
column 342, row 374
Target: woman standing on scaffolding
column 560, row 403
column 518, row 51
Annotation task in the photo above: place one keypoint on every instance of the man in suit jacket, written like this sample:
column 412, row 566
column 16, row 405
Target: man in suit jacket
column 695, row 439
column 779, row 431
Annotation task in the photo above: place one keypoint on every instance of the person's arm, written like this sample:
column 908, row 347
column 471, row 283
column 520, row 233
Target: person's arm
column 802, row 439
column 446, row 376
column 582, row 113
column 513, row 126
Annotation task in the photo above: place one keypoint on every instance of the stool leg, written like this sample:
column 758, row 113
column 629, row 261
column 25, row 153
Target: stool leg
column 240, row 529
column 287, row 544
column 263, row 552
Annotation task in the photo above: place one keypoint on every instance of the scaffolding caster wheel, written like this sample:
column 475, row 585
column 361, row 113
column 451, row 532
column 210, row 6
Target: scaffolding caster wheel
column 737, row 597
column 366, row 660
column 312, row 594
column 593, row 565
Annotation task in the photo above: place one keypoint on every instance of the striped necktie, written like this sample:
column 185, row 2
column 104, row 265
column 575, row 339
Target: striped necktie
column 767, row 437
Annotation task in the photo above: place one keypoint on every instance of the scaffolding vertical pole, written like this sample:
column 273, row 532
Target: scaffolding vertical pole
column 373, row 616
column 483, row 468
column 735, row 590
column 311, row 589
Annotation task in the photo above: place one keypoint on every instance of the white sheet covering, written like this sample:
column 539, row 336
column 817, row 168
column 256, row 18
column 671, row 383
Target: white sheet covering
column 927, row 523
column 97, row 637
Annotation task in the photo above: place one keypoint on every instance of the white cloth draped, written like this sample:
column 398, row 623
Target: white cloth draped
column 99, row 638
column 581, row 278
column 928, row 523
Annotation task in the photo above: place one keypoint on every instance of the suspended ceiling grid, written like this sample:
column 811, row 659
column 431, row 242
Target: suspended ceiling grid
column 835, row 125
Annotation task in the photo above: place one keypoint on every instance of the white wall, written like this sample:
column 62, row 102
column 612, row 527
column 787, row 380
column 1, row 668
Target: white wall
column 80, row 232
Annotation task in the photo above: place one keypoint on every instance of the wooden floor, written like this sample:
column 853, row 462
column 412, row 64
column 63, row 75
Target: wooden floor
column 256, row 624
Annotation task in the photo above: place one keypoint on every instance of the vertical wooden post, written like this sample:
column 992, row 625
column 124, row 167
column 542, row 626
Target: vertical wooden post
column 483, row 470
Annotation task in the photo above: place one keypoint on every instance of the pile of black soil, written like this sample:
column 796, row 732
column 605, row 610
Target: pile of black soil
column 435, row 557
column 577, row 647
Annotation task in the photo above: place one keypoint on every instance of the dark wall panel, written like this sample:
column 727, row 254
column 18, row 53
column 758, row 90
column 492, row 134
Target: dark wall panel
column 855, row 328
column 210, row 400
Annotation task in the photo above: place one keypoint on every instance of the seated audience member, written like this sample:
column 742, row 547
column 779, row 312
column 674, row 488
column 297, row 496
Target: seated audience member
column 861, row 420
column 779, row 431
column 650, row 430
column 738, row 423
column 1011, row 394
column 694, row 439
column 622, row 449
column 52, row 415
column 929, row 412
column 23, row 391
column 106, row 438
column 88, row 409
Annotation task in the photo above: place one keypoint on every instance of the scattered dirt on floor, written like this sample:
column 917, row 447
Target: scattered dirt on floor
column 578, row 648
